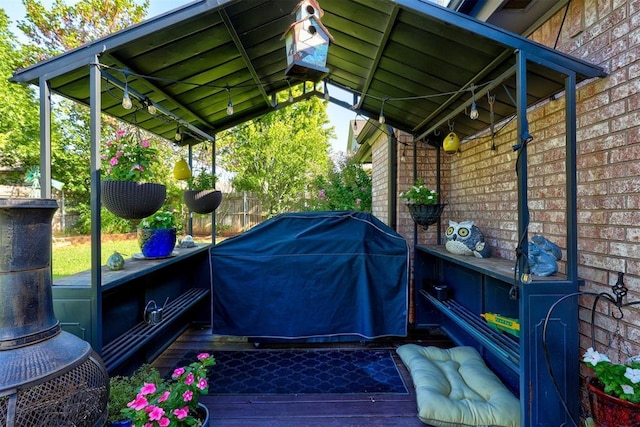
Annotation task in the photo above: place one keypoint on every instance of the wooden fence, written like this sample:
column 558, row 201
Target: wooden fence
column 238, row 212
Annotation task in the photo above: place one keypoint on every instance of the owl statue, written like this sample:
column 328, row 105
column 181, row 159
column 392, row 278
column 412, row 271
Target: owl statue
column 464, row 238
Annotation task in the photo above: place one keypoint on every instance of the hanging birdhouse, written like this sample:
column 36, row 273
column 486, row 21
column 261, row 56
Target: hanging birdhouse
column 307, row 43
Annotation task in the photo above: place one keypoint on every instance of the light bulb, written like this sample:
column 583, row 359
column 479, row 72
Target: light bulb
column 526, row 278
column 473, row 114
column 152, row 109
column 230, row 108
column 178, row 136
column 126, row 99
column 381, row 119
column 290, row 96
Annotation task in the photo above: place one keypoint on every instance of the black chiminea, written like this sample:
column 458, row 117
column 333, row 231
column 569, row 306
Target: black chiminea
column 48, row 377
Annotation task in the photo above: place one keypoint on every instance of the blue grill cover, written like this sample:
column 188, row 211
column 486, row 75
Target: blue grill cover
column 312, row 274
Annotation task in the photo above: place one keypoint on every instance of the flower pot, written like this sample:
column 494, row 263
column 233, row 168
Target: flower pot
column 156, row 242
column 203, row 414
column 202, row 202
column 121, row 423
column 609, row 411
column 425, row 215
column 132, row 200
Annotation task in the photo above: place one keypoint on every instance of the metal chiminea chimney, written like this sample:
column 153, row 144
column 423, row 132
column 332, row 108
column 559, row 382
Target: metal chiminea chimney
column 48, row 377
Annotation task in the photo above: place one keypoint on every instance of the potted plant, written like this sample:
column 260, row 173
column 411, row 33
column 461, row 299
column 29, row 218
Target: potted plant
column 172, row 402
column 157, row 235
column 614, row 390
column 121, row 390
column 423, row 204
column 202, row 197
column 128, row 161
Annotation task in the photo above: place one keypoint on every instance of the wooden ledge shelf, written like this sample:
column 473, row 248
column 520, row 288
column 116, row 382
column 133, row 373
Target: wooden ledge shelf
column 128, row 343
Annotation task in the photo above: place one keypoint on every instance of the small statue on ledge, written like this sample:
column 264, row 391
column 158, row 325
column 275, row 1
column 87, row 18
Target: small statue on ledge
column 543, row 256
column 465, row 238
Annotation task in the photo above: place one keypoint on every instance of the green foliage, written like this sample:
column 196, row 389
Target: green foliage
column 123, row 389
column 110, row 223
column 621, row 380
column 279, row 155
column 347, row 186
column 160, row 219
column 64, row 27
column 19, row 126
column 202, row 179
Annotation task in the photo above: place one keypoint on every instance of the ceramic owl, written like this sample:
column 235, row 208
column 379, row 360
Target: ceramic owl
column 464, row 238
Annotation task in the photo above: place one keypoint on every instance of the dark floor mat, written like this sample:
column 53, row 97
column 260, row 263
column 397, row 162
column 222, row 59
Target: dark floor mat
column 303, row 372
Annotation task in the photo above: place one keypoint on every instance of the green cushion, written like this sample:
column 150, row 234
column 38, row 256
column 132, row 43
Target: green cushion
column 455, row 388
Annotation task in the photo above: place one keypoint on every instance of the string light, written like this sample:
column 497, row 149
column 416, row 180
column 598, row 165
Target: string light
column 150, row 107
column 473, row 114
column 126, row 99
column 178, row 136
column 381, row 119
column 230, row 103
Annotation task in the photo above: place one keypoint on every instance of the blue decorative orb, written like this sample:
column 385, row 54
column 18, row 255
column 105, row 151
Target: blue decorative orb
column 156, row 242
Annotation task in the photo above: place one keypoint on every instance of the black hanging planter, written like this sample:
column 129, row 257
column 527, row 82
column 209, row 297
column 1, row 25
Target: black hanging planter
column 132, row 200
column 202, row 201
column 424, row 214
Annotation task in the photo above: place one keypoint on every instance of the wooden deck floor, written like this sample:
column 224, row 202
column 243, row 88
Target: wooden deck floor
column 302, row 410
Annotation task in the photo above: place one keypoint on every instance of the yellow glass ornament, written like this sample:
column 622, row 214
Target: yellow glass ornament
column 181, row 170
column 451, row 143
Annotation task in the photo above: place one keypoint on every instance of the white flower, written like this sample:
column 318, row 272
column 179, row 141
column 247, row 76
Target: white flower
column 627, row 389
column 593, row 357
column 633, row 375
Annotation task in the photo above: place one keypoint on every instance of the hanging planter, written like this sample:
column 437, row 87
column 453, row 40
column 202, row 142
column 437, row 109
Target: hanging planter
column 425, row 214
column 202, row 201
column 608, row 410
column 132, row 200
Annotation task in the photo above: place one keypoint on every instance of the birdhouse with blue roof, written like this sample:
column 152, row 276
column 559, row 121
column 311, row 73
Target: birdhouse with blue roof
column 307, row 43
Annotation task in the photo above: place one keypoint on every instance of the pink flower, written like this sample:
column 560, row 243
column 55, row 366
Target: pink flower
column 181, row 413
column 113, row 161
column 164, row 422
column 177, row 372
column 322, row 194
column 164, row 396
column 187, row 396
column 119, row 154
column 156, row 413
column 138, row 403
column 145, row 143
column 202, row 384
column 148, row 425
column 137, row 167
column 120, row 132
column 148, row 388
column 190, row 379
column 203, row 356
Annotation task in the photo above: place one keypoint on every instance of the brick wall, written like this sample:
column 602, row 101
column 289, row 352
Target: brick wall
column 380, row 178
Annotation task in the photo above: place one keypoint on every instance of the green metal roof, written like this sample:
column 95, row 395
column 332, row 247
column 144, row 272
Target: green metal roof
column 419, row 57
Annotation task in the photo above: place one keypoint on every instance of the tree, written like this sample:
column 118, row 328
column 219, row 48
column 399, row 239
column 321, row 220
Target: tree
column 52, row 32
column 347, row 186
column 278, row 155
column 19, row 127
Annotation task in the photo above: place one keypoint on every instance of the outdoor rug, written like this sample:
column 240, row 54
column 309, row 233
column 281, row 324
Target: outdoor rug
column 303, row 372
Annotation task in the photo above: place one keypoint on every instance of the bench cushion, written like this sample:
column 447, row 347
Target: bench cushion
column 454, row 387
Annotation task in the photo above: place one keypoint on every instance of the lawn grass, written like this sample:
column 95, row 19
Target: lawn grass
column 75, row 258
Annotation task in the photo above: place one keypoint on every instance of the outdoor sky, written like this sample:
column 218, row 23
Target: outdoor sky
column 339, row 116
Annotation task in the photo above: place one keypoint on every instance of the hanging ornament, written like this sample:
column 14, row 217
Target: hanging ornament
column 451, row 142
column 181, row 170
